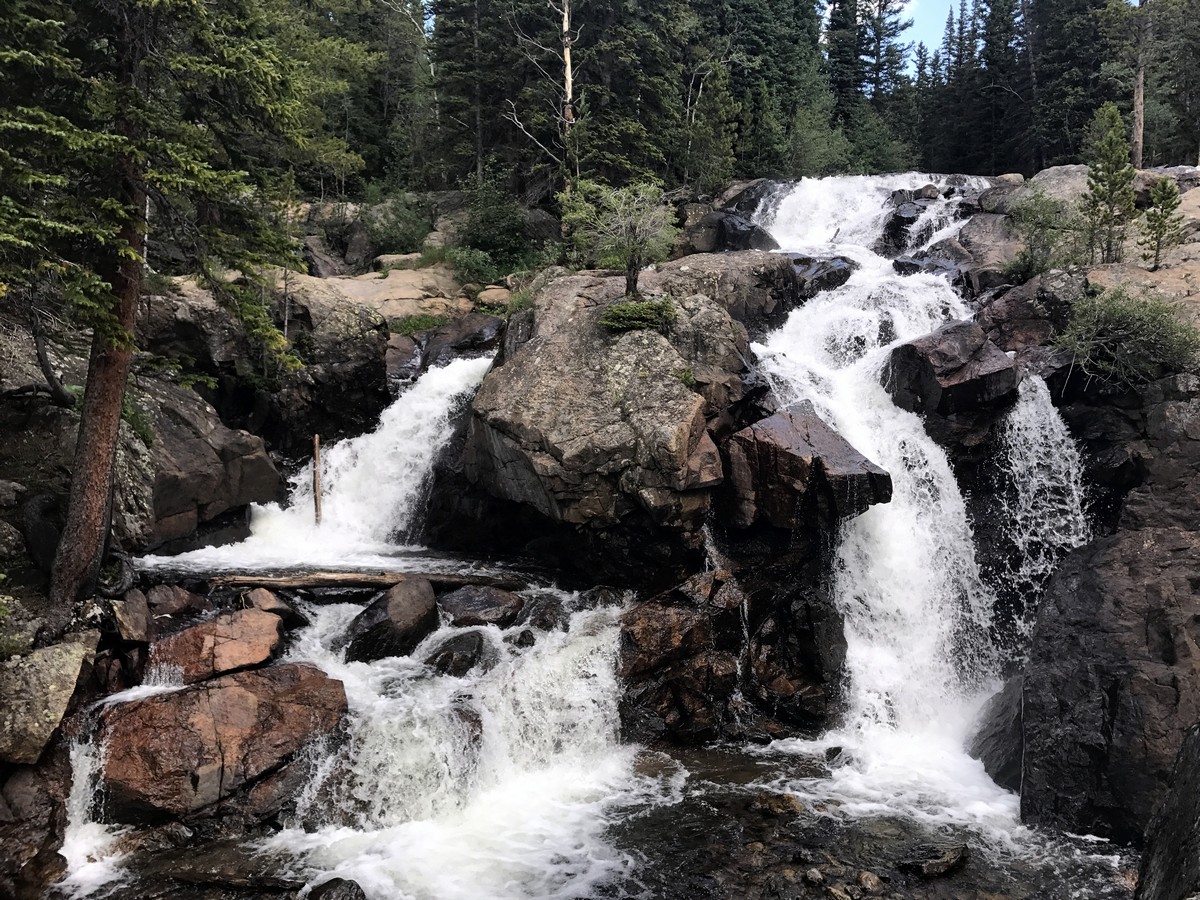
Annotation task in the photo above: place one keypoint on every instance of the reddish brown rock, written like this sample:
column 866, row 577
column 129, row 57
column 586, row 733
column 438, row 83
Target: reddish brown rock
column 261, row 598
column 174, row 754
column 792, row 468
column 653, row 635
column 226, row 643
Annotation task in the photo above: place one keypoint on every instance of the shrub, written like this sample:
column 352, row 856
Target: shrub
column 1052, row 236
column 396, row 227
column 630, row 315
column 625, row 227
column 411, row 325
column 495, row 222
column 1129, row 340
column 473, row 266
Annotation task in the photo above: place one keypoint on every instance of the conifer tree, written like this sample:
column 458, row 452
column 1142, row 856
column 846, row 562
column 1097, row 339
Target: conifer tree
column 1109, row 204
column 1162, row 226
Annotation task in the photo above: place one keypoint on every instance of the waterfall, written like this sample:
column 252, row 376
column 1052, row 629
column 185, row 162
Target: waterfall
column 90, row 847
column 1045, row 500
column 499, row 783
column 372, row 487
column 917, row 610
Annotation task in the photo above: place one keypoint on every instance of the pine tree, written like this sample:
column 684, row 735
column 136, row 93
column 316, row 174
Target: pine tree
column 844, row 42
column 1069, row 55
column 1162, row 226
column 883, row 53
column 1109, row 204
column 1006, row 90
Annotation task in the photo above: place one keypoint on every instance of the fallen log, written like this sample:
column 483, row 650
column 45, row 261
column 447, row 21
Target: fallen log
column 363, row 580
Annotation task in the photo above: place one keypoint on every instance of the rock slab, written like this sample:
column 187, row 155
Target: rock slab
column 35, row 690
column 225, row 643
column 1171, row 861
column 792, row 465
column 175, row 754
column 953, row 370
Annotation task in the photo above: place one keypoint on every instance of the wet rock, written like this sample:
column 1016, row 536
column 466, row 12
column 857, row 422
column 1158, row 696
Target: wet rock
column 653, row 635
column 870, row 882
column 545, row 613
column 403, row 358
column 934, row 861
column 953, row 370
column 1171, row 860
column 897, row 230
column 225, row 643
column 473, row 333
column 262, row 599
column 227, row 868
column 1032, row 314
column 792, row 466
column 187, row 750
column 395, row 623
column 338, row 889
column 756, row 289
column 1112, row 682
column 999, row 742
column 746, row 197
column 34, row 692
column 723, row 229
column 461, row 653
column 33, row 819
column 481, row 605
column 132, row 616
column 779, row 805
column 818, row 275
column 174, row 600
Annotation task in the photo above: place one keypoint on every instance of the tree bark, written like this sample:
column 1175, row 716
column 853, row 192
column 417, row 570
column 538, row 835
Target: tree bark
column 58, row 394
column 633, row 269
column 1138, row 141
column 89, row 508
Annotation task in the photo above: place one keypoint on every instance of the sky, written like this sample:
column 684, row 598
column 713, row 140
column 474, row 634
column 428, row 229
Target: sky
column 929, row 21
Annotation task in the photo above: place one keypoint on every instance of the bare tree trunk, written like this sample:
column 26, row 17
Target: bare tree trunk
column 478, row 102
column 568, row 92
column 81, row 550
column 633, row 269
column 1039, row 156
column 58, row 394
column 1138, row 141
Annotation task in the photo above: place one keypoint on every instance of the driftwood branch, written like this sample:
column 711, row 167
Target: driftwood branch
column 363, row 580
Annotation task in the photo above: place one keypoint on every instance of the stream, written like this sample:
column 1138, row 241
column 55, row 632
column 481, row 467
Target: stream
column 511, row 781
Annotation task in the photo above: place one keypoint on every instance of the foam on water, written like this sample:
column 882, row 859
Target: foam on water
column 496, row 784
column 372, row 489
column 91, row 848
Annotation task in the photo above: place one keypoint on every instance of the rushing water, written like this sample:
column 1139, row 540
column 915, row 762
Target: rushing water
column 509, row 781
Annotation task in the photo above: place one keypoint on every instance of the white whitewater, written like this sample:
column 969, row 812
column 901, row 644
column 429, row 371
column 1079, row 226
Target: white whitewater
column 372, row 488
column 1046, row 498
column 917, row 610
column 497, row 784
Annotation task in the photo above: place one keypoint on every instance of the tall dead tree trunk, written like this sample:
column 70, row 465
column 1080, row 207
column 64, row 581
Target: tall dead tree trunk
column 568, row 114
column 1142, row 41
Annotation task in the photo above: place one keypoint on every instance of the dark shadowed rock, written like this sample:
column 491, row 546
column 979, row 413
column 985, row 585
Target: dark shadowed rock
column 395, row 623
column 481, row 605
column 1112, row 682
column 793, row 466
column 173, row 600
column 935, row 860
column 322, row 262
column 897, row 230
column 403, row 358
column 653, row 635
column 1032, row 314
column 1171, row 859
column 721, row 230
column 470, row 334
column 225, row 643
column 461, row 653
column 955, row 369
column 998, row 743
column 818, row 275
column 338, row 889
column 184, row 751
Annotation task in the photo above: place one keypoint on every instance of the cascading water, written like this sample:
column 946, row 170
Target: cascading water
column 373, row 486
column 499, row 783
column 917, row 610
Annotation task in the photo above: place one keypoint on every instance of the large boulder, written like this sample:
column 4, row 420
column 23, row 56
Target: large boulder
column 724, row 229
column 609, row 430
column 792, row 468
column 955, row 369
column 756, row 289
column 993, row 244
column 1171, row 859
column 395, row 623
column 185, row 751
column 1112, row 681
column 1032, row 314
column 998, row 743
column 225, row 643
column 34, row 692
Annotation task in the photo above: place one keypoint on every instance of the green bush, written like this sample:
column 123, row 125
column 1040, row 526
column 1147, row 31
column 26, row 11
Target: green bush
column 473, row 266
column 396, row 227
column 630, row 315
column 1130, row 340
column 410, row 325
column 495, row 222
column 1053, row 236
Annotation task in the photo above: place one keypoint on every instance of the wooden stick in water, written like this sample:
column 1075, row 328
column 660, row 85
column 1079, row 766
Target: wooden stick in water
column 317, row 477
